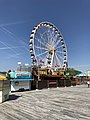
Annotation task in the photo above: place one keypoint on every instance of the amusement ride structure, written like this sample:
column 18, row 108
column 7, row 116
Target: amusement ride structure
column 49, row 56
column 47, row 46
column 49, row 61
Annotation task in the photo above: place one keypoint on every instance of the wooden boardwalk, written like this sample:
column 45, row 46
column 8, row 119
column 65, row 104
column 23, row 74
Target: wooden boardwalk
column 70, row 103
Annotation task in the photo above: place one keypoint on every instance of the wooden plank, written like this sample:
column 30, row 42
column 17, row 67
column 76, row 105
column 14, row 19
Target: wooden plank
column 66, row 103
column 52, row 82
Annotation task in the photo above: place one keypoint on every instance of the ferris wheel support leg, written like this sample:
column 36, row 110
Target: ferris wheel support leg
column 57, row 83
column 37, row 85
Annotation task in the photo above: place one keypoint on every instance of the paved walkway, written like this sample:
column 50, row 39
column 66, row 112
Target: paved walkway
column 70, row 103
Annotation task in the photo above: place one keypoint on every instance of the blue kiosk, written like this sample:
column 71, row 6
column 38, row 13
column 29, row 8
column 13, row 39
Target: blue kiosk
column 20, row 80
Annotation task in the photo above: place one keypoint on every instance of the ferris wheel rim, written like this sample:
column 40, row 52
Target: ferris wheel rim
column 52, row 26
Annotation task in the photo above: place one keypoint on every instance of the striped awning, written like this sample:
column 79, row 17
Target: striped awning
column 2, row 77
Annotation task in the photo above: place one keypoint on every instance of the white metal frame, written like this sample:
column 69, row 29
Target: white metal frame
column 50, row 41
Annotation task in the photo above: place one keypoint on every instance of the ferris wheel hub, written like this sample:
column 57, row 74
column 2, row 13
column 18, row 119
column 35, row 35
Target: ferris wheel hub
column 54, row 50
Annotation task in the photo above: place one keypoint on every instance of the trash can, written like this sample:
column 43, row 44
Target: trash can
column 4, row 88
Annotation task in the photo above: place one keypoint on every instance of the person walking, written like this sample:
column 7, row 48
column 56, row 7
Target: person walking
column 88, row 82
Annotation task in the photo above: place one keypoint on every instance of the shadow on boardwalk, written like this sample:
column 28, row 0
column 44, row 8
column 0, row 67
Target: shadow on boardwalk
column 13, row 97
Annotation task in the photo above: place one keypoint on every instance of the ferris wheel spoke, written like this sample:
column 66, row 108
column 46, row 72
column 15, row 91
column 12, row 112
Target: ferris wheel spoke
column 59, row 52
column 42, row 37
column 47, row 37
column 40, row 48
column 40, row 42
column 43, row 33
column 57, row 43
column 41, row 53
column 57, row 60
column 59, row 47
column 60, row 56
column 54, row 41
column 44, row 59
column 51, row 38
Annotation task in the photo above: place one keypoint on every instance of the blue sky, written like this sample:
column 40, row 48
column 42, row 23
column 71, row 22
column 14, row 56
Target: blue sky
column 18, row 17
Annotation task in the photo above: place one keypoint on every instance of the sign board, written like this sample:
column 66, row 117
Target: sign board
column 21, row 75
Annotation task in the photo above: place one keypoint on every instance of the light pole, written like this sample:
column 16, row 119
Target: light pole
column 19, row 63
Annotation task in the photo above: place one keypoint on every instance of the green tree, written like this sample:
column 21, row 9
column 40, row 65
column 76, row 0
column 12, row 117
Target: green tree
column 72, row 72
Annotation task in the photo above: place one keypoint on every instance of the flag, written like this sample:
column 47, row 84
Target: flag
column 57, row 65
column 42, row 61
column 34, row 59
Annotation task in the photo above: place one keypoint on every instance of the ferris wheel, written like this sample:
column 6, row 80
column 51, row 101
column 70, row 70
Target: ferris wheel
column 47, row 46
